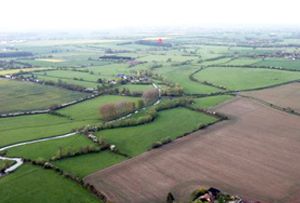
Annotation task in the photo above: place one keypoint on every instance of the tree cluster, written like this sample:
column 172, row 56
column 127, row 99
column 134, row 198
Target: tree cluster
column 110, row 112
column 150, row 96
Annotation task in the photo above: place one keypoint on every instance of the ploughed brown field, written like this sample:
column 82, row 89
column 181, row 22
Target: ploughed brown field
column 284, row 96
column 255, row 154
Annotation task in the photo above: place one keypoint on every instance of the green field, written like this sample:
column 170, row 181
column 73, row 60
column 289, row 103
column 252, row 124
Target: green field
column 23, row 128
column 70, row 75
column 208, row 102
column 46, row 150
column 91, row 162
column 180, row 75
column 33, row 184
column 24, row 96
column 245, row 78
column 170, row 123
column 279, row 62
column 14, row 71
column 109, row 71
column 89, row 110
column 82, row 83
column 136, row 87
column 243, row 61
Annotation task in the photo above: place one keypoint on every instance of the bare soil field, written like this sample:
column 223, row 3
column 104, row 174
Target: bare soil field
column 284, row 96
column 255, row 154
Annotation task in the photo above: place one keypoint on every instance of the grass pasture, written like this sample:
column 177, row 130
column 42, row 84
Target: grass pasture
column 245, row 78
column 23, row 128
column 25, row 96
column 89, row 110
column 170, row 123
column 14, row 71
column 243, row 61
column 33, row 184
column 48, row 149
column 136, row 87
column 280, row 62
column 87, row 164
column 180, row 75
column 211, row 101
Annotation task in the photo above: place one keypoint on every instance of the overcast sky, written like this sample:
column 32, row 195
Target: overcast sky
column 27, row 15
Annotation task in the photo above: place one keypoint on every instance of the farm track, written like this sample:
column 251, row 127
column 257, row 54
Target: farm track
column 254, row 155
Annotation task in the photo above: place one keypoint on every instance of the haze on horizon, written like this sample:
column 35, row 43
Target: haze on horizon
column 45, row 15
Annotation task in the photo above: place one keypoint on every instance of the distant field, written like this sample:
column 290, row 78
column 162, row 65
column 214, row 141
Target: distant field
column 89, row 110
column 243, row 61
column 46, row 150
column 25, row 96
column 13, row 71
column 245, row 78
column 69, row 74
column 136, row 87
column 208, row 102
column 110, row 71
column 180, row 75
column 170, row 123
column 71, row 77
column 279, row 62
column 163, row 58
column 22, row 128
column 52, row 60
column 87, row 84
column 87, row 164
column 34, row 184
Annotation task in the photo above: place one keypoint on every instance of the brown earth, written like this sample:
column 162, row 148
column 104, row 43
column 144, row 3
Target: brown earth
column 255, row 154
column 284, row 96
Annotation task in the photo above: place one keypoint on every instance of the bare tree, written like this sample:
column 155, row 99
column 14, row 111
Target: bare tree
column 150, row 96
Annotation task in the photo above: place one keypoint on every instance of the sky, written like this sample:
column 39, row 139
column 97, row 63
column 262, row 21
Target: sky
column 44, row 15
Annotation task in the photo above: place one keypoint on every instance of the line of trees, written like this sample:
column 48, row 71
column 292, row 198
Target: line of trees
column 110, row 112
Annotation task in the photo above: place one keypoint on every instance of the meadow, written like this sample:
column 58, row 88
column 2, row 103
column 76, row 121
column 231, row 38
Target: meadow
column 279, row 62
column 45, row 185
column 245, row 78
column 23, row 128
column 90, row 110
column 211, row 101
column 25, row 96
column 47, row 150
column 91, row 162
column 169, row 124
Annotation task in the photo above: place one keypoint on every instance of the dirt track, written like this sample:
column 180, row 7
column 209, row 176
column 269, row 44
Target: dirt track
column 256, row 154
column 283, row 96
